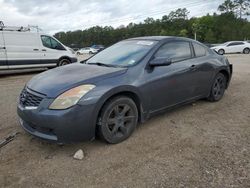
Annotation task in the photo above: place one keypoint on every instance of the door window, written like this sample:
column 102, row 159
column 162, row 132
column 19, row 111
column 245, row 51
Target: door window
column 235, row 43
column 49, row 42
column 176, row 51
column 199, row 50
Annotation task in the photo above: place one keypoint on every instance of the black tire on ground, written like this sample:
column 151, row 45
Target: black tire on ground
column 78, row 53
column 221, row 52
column 63, row 62
column 118, row 119
column 90, row 52
column 218, row 88
column 246, row 51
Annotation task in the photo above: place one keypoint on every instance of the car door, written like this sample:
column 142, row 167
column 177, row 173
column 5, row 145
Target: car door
column 234, row 47
column 3, row 57
column 173, row 84
column 52, row 50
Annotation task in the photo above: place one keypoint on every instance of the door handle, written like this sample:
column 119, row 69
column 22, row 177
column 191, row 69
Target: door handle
column 2, row 48
column 35, row 49
column 44, row 50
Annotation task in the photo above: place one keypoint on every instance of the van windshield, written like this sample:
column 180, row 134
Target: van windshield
column 123, row 54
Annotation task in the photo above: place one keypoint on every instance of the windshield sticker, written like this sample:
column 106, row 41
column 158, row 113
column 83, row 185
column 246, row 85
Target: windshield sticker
column 147, row 43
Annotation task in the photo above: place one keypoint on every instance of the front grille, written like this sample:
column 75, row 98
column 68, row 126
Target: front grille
column 29, row 99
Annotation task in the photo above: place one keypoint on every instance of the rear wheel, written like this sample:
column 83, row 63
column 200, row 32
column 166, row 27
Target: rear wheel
column 221, row 51
column 246, row 51
column 118, row 119
column 218, row 88
column 63, row 62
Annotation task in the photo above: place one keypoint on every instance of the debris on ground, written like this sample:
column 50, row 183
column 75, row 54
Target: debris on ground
column 79, row 155
column 8, row 139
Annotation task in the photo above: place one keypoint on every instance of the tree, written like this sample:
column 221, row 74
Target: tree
column 227, row 7
column 216, row 28
column 242, row 7
column 180, row 13
column 238, row 7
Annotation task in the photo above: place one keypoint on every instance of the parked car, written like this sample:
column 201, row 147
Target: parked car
column 98, row 47
column 233, row 47
column 21, row 48
column 108, row 94
column 87, row 50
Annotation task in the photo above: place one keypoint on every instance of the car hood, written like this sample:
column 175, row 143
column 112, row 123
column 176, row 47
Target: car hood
column 219, row 46
column 56, row 81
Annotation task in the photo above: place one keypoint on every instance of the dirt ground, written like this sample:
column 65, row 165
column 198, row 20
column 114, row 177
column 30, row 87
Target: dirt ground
column 199, row 145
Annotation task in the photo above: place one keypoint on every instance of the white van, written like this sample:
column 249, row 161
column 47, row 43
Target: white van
column 22, row 48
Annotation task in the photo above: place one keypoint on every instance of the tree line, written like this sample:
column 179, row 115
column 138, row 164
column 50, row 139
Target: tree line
column 229, row 24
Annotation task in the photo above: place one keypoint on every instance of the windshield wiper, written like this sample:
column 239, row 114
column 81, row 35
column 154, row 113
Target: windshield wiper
column 101, row 64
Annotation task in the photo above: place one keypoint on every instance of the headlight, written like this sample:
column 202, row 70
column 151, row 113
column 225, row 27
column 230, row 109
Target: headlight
column 70, row 97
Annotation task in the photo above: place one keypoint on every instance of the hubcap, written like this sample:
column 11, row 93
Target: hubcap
column 120, row 119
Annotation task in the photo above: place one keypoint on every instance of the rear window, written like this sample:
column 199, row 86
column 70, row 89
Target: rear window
column 199, row 50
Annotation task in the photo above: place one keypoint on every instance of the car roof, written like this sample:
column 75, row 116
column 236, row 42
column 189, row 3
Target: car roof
column 235, row 41
column 159, row 38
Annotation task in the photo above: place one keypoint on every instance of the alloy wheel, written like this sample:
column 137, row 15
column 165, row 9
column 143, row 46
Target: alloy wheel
column 219, row 87
column 120, row 120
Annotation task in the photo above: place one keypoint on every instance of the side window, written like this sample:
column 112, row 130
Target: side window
column 51, row 43
column 176, row 51
column 46, row 41
column 199, row 50
column 235, row 43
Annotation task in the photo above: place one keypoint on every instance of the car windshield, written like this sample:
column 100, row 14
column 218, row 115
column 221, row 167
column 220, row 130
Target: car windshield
column 225, row 44
column 122, row 54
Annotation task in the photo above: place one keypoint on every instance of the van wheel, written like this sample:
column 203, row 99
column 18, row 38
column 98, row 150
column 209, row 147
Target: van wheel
column 63, row 62
column 118, row 119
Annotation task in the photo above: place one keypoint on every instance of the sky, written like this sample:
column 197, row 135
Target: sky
column 68, row 15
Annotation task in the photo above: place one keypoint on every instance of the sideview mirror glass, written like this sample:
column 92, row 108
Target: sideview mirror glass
column 160, row 62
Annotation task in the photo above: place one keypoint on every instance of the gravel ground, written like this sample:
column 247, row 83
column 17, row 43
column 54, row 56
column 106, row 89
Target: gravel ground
column 198, row 145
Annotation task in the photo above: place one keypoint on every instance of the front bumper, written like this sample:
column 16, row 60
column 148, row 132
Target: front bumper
column 63, row 126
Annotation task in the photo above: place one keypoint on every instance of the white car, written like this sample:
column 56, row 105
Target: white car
column 22, row 48
column 87, row 50
column 233, row 47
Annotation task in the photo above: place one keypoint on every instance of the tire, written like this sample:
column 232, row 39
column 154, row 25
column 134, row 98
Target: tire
column 78, row 53
column 221, row 52
column 218, row 88
column 118, row 119
column 63, row 62
column 246, row 51
column 91, row 53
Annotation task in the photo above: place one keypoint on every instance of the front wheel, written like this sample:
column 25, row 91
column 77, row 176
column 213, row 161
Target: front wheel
column 118, row 119
column 218, row 88
column 63, row 62
column 221, row 51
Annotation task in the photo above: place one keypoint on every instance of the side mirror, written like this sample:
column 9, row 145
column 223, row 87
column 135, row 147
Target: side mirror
column 160, row 62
